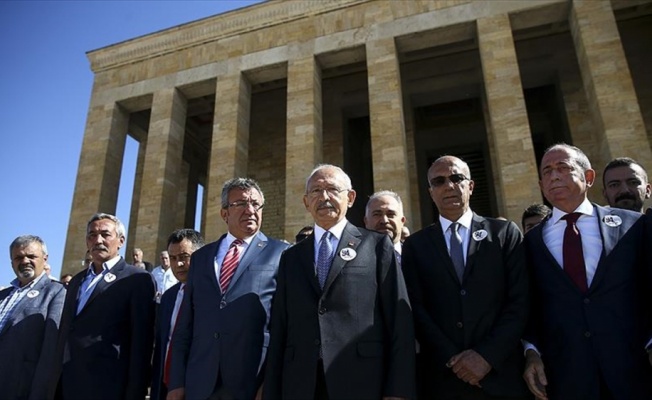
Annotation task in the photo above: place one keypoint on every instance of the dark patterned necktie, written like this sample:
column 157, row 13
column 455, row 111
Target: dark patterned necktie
column 457, row 254
column 324, row 258
column 572, row 251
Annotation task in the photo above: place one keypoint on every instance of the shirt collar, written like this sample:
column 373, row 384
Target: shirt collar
column 230, row 239
column 336, row 230
column 16, row 283
column 465, row 220
column 106, row 265
column 585, row 208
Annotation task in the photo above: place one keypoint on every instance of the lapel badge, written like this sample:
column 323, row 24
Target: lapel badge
column 347, row 254
column 108, row 278
column 479, row 235
column 260, row 244
column 612, row 220
column 32, row 293
column 351, row 244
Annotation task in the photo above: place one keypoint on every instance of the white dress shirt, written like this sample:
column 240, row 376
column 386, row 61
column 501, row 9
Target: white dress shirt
column 224, row 248
column 336, row 234
column 464, row 230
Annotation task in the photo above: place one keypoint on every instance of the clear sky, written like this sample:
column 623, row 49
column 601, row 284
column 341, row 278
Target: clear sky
column 45, row 87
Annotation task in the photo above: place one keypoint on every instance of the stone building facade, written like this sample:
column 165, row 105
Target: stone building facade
column 379, row 87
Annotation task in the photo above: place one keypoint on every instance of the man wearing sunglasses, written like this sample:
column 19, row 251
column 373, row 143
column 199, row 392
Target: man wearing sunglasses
column 220, row 340
column 467, row 283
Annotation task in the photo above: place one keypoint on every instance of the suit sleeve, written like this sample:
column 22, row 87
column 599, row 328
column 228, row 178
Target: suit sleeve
column 400, row 380
column 428, row 332
column 510, row 324
column 272, row 385
column 142, row 335
column 47, row 358
column 182, row 334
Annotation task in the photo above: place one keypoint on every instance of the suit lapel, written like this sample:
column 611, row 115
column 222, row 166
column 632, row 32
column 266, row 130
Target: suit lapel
column 477, row 224
column 306, row 249
column 436, row 235
column 25, row 301
column 351, row 239
column 258, row 243
column 610, row 236
column 103, row 285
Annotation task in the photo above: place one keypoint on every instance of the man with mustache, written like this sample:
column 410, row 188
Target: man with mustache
column 467, row 280
column 341, row 320
column 221, row 337
column 590, row 273
column 625, row 184
column 384, row 214
column 182, row 243
column 107, row 323
column 30, row 310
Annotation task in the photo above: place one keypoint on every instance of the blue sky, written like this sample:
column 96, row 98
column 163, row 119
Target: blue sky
column 45, row 86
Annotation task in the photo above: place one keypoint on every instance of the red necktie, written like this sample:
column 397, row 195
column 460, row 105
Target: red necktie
column 230, row 264
column 573, row 254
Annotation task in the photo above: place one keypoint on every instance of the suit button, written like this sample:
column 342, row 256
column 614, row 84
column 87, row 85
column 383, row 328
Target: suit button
column 459, row 325
column 322, row 311
column 587, row 301
column 317, row 342
column 216, row 335
column 222, row 304
column 463, row 292
column 587, row 334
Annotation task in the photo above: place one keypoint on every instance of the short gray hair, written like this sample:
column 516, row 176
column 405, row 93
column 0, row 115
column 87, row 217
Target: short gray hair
column 26, row 240
column 239, row 183
column 580, row 158
column 119, row 226
column 382, row 193
column 344, row 176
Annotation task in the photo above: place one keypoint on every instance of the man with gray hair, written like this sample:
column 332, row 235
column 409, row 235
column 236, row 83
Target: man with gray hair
column 107, row 322
column 220, row 341
column 30, row 310
column 384, row 214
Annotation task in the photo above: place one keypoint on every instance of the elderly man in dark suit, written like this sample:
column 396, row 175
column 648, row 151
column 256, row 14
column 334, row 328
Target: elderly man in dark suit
column 341, row 320
column 107, row 323
column 30, row 310
column 590, row 299
column 467, row 281
column 221, row 338
column 181, row 244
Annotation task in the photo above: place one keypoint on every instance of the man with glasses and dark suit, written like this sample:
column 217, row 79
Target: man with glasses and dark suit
column 467, row 282
column 221, row 337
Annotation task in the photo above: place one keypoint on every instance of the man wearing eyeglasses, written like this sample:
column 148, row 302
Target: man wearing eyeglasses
column 222, row 333
column 182, row 243
column 467, row 282
column 341, row 321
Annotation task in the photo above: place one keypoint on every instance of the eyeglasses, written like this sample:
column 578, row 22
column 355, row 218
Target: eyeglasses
column 244, row 204
column 184, row 258
column 456, row 179
column 331, row 192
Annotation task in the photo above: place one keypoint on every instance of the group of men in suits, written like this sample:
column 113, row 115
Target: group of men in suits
column 561, row 314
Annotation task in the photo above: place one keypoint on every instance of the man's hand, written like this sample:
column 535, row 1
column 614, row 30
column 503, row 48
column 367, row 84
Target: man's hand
column 534, row 375
column 177, row 394
column 469, row 366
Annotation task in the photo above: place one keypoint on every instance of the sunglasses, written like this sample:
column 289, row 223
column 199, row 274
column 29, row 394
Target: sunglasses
column 441, row 180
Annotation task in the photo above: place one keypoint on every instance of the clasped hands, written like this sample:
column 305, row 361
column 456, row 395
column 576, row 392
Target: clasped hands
column 469, row 366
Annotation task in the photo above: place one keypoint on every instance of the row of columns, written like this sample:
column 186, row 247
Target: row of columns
column 603, row 66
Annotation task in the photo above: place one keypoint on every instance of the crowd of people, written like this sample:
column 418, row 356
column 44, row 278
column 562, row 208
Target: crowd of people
column 466, row 308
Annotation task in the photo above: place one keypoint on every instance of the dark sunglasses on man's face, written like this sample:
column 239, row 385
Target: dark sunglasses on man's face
column 441, row 180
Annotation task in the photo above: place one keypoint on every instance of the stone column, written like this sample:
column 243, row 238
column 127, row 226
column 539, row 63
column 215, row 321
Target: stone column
column 230, row 145
column 608, row 82
column 388, row 143
column 161, row 172
column 98, row 176
column 513, row 153
column 135, row 198
column 304, row 142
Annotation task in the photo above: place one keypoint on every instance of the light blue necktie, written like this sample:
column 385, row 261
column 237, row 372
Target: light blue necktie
column 457, row 254
column 324, row 258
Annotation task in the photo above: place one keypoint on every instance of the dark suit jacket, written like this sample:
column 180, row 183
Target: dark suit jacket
column 487, row 313
column 106, row 349
column 604, row 329
column 225, row 334
column 361, row 321
column 28, row 342
column 163, row 319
